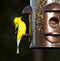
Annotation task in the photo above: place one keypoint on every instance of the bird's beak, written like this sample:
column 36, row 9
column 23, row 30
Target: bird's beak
column 16, row 30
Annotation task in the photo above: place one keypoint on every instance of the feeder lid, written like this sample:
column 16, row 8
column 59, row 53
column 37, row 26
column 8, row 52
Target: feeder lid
column 52, row 7
column 27, row 10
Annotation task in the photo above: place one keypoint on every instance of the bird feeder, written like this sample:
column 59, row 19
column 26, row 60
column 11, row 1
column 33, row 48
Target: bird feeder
column 27, row 11
column 51, row 25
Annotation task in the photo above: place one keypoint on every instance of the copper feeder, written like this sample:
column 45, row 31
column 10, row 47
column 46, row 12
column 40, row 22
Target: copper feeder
column 51, row 24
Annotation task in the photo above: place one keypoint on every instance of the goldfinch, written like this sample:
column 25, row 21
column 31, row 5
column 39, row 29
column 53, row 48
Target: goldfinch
column 21, row 30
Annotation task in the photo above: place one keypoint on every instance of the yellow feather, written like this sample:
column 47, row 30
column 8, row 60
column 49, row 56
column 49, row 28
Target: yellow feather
column 21, row 27
column 21, row 30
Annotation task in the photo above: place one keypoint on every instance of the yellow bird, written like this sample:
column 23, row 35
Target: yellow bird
column 21, row 30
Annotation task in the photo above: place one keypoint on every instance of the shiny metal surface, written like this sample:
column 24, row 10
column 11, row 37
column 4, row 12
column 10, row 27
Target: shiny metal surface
column 51, row 23
column 27, row 10
column 52, row 7
column 44, row 43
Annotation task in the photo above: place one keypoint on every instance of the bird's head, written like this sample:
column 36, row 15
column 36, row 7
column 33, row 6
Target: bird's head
column 16, row 21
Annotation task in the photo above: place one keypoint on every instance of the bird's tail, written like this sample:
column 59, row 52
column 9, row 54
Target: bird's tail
column 18, row 42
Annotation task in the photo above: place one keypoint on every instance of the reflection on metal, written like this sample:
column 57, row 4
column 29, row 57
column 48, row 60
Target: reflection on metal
column 45, row 23
column 49, row 1
column 37, row 17
column 27, row 10
column 52, row 7
column 51, row 28
column 47, row 20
